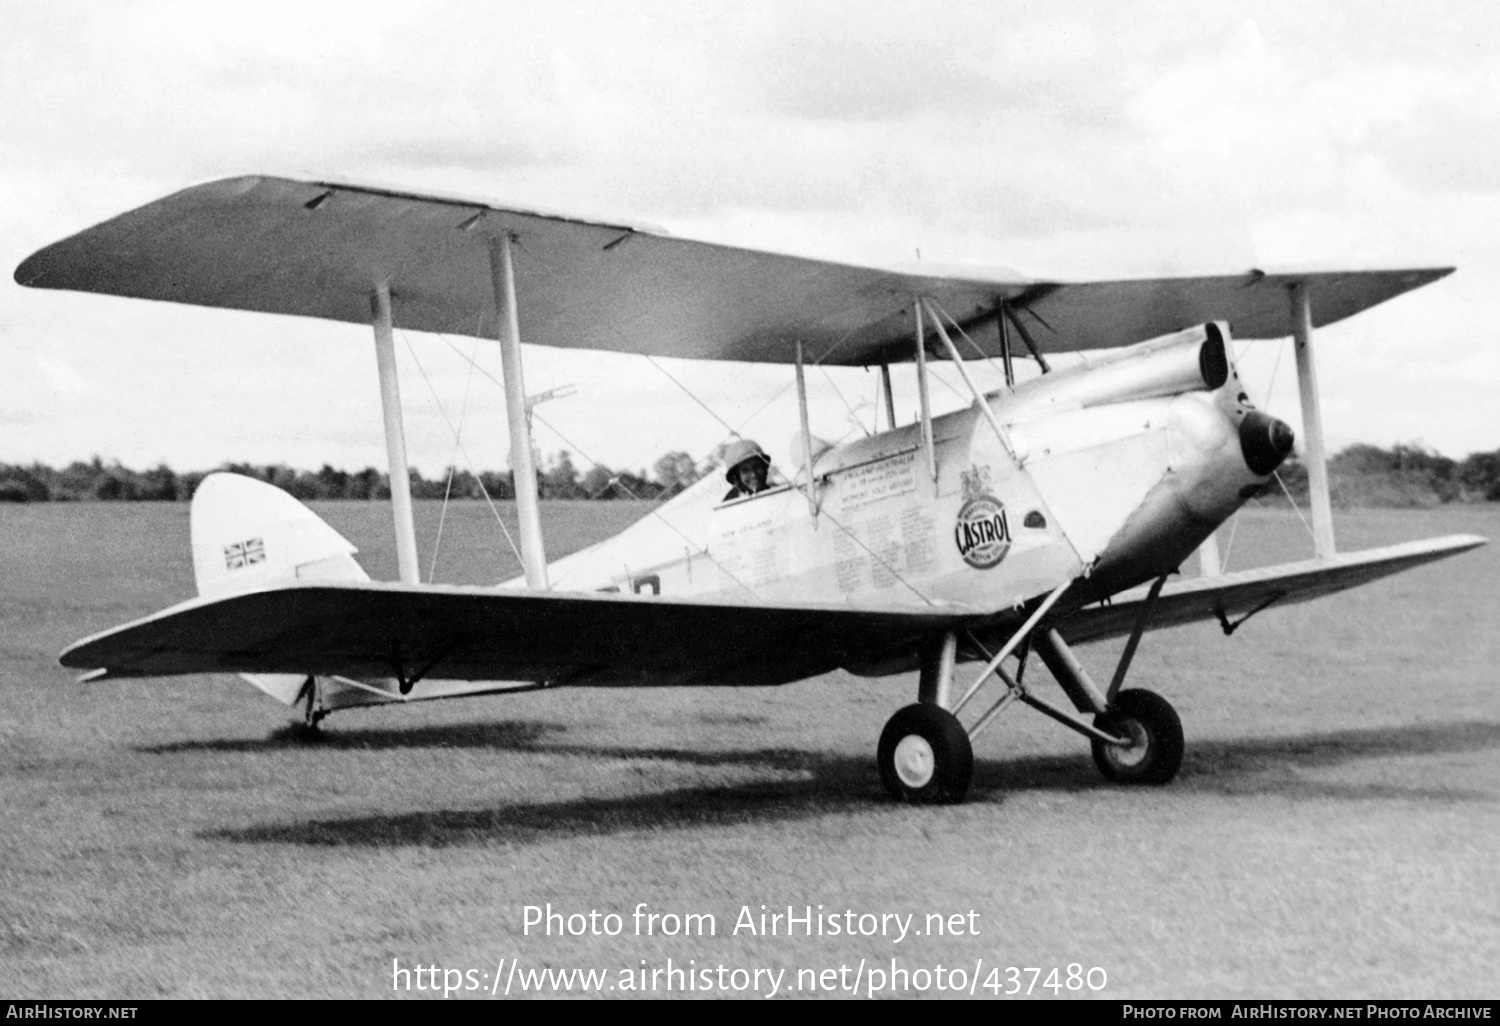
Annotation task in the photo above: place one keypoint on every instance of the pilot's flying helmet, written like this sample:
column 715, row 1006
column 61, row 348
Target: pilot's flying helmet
column 738, row 452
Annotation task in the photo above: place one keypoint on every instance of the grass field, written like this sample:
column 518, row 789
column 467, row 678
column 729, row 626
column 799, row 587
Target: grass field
column 1334, row 830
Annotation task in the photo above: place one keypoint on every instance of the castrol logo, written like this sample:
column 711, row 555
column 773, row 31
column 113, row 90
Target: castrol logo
column 982, row 532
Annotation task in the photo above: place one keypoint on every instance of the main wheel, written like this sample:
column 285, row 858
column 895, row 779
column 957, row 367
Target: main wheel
column 925, row 755
column 1155, row 732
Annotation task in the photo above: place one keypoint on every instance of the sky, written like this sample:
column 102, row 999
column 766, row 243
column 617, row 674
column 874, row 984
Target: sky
column 1067, row 140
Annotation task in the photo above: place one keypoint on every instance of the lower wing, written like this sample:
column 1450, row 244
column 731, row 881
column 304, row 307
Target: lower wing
column 363, row 629
column 1233, row 598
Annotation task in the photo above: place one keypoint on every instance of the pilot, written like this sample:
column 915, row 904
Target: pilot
column 749, row 467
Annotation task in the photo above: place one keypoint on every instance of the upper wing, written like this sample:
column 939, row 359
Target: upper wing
column 318, row 249
column 1232, row 597
column 367, row 629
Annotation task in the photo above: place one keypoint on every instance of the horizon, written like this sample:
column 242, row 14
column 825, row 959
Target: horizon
column 549, row 460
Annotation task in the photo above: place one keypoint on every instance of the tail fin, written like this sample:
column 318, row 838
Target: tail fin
column 248, row 534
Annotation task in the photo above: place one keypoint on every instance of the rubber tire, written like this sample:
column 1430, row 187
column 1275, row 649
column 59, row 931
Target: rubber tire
column 953, row 756
column 1152, row 718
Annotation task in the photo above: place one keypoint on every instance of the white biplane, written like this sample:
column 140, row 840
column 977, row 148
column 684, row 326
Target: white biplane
column 1044, row 514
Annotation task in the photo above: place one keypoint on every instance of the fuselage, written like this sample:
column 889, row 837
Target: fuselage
column 1107, row 474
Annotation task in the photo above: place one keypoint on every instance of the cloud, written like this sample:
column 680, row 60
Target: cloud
column 63, row 378
column 1445, row 147
column 1077, row 140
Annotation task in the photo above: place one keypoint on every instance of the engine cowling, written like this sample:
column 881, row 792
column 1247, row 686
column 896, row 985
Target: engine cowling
column 1141, row 454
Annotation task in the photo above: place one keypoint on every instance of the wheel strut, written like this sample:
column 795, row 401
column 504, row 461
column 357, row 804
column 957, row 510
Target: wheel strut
column 935, row 685
column 1136, row 734
column 924, row 754
column 313, row 711
column 1134, row 640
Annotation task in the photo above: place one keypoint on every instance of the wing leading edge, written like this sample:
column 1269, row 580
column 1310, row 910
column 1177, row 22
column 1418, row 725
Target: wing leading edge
column 318, row 249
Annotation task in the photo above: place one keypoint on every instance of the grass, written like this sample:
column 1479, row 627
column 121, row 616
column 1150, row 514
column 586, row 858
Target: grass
column 1332, row 833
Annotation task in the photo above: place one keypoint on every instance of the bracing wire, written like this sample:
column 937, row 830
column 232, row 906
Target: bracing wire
column 850, row 534
column 615, row 481
column 1275, row 366
column 878, row 558
column 974, row 345
column 1234, row 524
column 853, row 413
column 1293, row 501
column 932, row 373
column 463, row 411
column 1270, row 387
column 734, row 432
column 614, row 478
column 785, row 388
column 688, row 392
column 458, row 441
column 831, row 519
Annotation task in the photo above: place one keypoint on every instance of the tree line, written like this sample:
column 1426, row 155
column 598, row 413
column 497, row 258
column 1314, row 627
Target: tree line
column 1361, row 475
column 558, row 478
column 1403, row 475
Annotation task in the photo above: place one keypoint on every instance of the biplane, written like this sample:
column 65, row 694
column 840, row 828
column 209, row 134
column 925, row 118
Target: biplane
column 1046, row 513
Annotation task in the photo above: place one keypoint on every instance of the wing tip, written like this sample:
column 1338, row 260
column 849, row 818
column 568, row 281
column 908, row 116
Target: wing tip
column 27, row 272
column 69, row 657
column 1464, row 542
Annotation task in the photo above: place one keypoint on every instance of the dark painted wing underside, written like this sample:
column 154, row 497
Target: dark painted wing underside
column 391, row 630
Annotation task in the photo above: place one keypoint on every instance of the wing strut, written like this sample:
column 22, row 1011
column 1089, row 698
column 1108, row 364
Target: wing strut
column 1210, row 564
column 1312, row 422
column 395, row 436
column 522, row 460
column 927, row 443
column 890, row 399
column 1002, row 324
column 807, row 453
column 963, row 372
column 1036, row 354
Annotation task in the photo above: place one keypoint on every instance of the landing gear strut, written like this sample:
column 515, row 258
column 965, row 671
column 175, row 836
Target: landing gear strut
column 313, row 710
column 926, row 754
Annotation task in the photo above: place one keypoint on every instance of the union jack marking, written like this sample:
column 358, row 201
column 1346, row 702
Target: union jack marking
column 242, row 554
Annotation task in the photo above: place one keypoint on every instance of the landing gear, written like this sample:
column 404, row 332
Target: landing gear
column 313, row 710
column 1154, row 731
column 925, row 756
